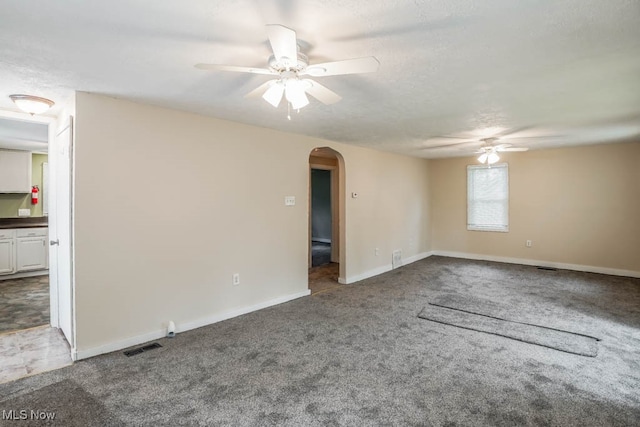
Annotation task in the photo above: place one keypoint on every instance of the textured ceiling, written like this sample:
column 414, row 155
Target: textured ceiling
column 557, row 72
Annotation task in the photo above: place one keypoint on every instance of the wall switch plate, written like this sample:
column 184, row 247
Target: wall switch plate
column 290, row 200
column 377, row 251
column 529, row 243
column 236, row 279
column 24, row 212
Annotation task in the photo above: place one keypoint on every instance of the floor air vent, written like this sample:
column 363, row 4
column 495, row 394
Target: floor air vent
column 548, row 268
column 139, row 350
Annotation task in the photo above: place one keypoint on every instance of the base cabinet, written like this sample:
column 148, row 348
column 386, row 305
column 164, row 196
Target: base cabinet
column 7, row 264
column 23, row 250
column 31, row 253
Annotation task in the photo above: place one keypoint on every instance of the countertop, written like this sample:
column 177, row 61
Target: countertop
column 26, row 222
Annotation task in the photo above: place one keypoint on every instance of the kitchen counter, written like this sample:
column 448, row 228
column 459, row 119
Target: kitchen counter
column 26, row 222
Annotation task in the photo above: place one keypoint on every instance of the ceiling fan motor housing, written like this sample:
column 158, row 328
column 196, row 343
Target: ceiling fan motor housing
column 282, row 64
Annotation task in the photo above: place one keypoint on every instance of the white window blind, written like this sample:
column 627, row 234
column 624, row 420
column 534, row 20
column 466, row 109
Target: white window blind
column 488, row 198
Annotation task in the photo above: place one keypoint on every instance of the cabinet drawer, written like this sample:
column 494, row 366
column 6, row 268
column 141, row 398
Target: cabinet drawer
column 7, row 233
column 31, row 232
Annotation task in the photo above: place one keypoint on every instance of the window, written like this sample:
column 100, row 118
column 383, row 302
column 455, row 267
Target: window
column 488, row 198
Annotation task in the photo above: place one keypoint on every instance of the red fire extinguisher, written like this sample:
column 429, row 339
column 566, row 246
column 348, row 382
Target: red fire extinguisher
column 34, row 195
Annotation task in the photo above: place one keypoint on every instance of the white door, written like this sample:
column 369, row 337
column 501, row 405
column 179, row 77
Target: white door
column 60, row 256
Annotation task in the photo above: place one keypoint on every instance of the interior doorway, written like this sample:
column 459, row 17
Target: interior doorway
column 326, row 213
column 37, row 283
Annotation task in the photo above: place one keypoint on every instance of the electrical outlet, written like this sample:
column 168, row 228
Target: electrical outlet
column 236, row 279
column 24, row 212
column 529, row 243
column 290, row 200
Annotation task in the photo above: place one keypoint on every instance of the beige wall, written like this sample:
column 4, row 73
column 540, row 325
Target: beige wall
column 578, row 205
column 10, row 203
column 178, row 202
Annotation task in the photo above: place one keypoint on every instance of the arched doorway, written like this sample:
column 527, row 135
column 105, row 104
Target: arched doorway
column 326, row 219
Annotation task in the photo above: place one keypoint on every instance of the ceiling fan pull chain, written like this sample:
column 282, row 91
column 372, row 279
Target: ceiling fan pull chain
column 289, row 110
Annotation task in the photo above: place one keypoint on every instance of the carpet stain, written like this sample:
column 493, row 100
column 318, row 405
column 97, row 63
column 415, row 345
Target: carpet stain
column 541, row 404
column 542, row 379
column 570, row 387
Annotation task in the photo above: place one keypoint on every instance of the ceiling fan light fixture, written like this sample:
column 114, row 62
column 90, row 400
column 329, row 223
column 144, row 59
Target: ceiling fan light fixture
column 273, row 95
column 32, row 104
column 483, row 158
column 295, row 94
column 492, row 158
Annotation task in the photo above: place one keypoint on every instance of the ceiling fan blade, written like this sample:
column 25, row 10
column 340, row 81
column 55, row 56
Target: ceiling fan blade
column 273, row 95
column 457, row 145
column 260, row 90
column 512, row 149
column 368, row 64
column 284, row 44
column 511, row 131
column 321, row 93
column 235, row 68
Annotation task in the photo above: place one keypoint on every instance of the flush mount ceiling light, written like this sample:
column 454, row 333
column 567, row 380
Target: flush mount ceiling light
column 32, row 104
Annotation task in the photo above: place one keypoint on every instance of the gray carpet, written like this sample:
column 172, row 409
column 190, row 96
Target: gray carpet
column 63, row 403
column 529, row 333
column 359, row 355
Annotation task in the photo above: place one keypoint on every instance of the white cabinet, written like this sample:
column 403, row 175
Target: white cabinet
column 31, row 249
column 23, row 249
column 7, row 251
column 15, row 171
column 7, row 265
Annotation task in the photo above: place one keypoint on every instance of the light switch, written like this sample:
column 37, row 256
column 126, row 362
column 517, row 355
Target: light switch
column 290, row 200
column 24, row 212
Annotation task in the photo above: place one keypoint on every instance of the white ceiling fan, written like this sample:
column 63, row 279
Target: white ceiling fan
column 489, row 151
column 488, row 147
column 291, row 66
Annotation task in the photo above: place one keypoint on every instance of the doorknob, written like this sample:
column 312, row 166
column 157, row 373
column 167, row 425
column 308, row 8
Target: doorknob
column 54, row 242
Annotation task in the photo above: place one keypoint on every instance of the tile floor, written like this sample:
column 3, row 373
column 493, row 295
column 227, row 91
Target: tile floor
column 24, row 303
column 32, row 351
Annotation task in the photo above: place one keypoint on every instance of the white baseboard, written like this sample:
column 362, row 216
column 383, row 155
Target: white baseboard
column 383, row 269
column 24, row 274
column 239, row 312
column 523, row 261
column 182, row 327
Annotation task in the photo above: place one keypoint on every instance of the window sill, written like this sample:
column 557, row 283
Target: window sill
column 494, row 229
